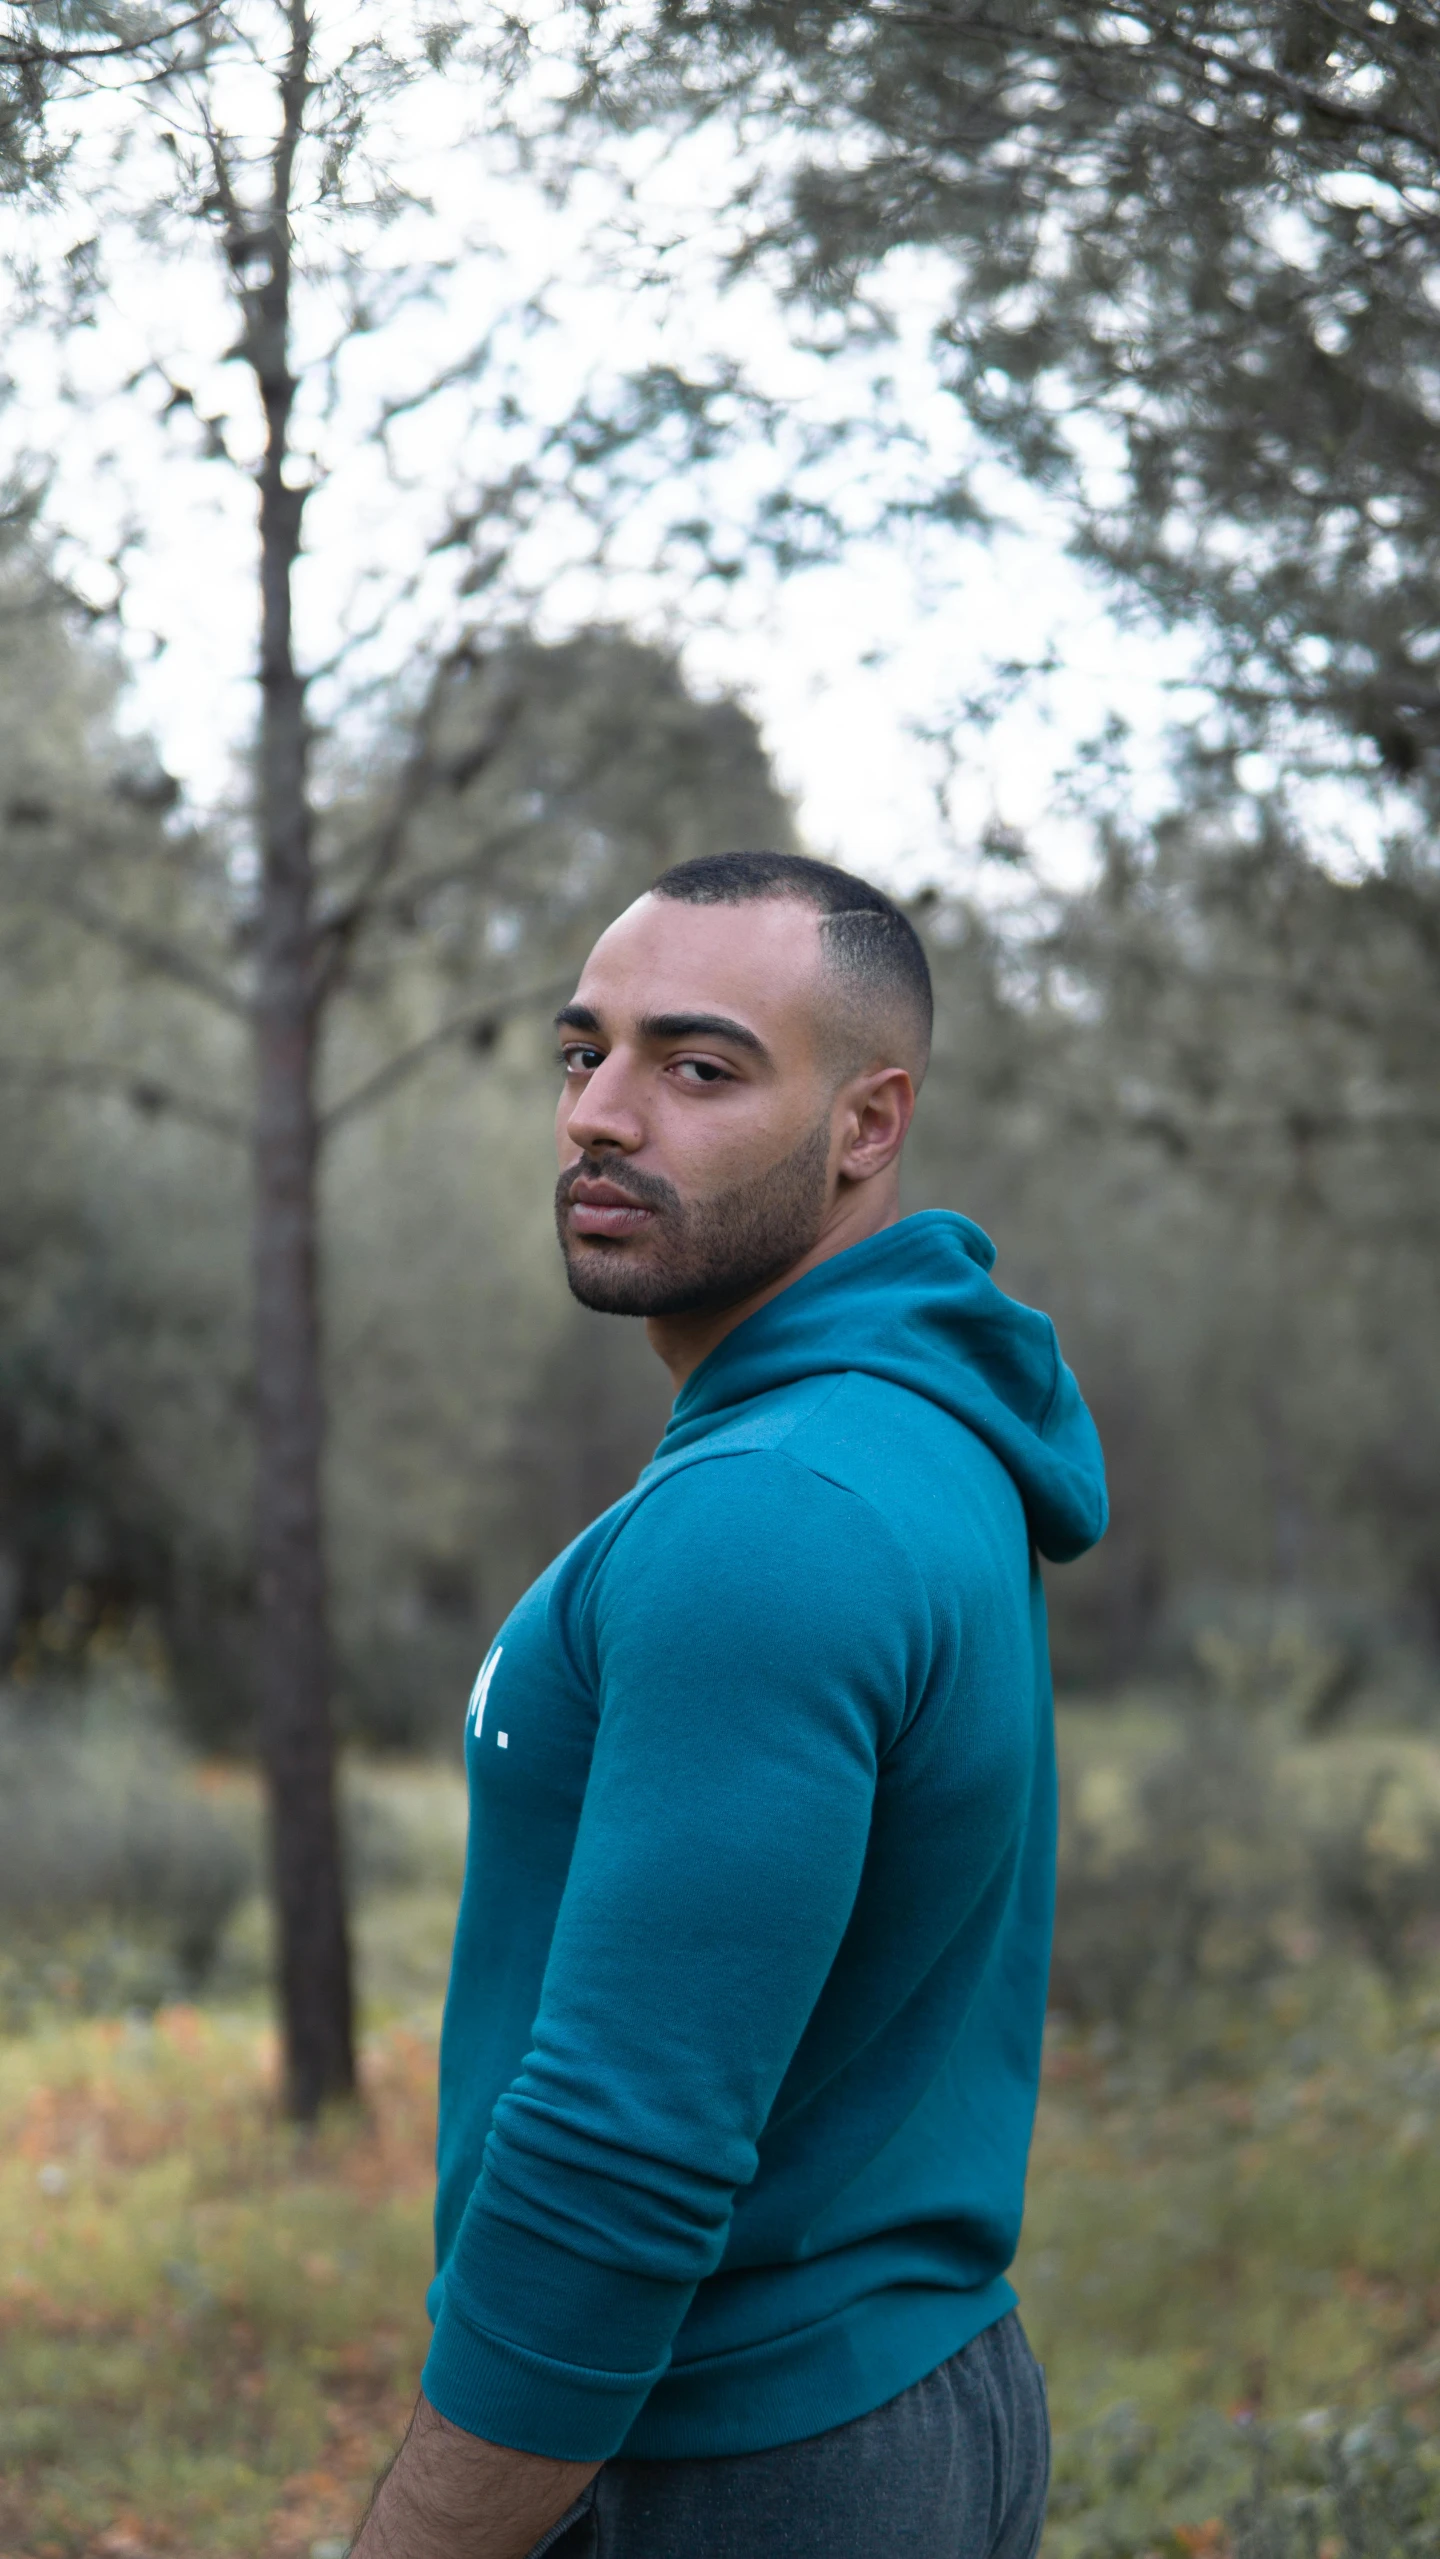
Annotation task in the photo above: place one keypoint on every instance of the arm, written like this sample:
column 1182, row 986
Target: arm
column 448, row 2495
column 748, row 1683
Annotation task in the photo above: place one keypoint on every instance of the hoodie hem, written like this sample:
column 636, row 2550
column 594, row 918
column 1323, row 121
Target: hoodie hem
column 812, row 2381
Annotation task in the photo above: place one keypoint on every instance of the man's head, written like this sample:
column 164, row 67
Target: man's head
column 741, row 1061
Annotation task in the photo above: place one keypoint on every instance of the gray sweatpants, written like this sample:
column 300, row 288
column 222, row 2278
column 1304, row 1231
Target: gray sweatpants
column 955, row 2468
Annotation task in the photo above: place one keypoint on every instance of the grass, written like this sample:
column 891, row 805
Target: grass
column 1252, row 2258
column 1261, row 2244
column 210, row 2332
column 1232, row 2247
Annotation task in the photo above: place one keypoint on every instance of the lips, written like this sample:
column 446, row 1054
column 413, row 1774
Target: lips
column 602, row 1208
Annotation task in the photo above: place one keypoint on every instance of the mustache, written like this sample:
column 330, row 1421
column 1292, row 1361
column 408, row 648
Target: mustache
column 646, row 1190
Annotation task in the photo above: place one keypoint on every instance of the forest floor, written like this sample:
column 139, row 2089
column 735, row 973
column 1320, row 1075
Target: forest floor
column 211, row 2330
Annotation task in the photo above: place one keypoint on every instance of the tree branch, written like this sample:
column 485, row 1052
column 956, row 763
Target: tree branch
column 16, row 56
column 1174, row 45
column 479, row 1023
column 416, row 886
column 145, row 1093
column 336, row 933
column 1300, row 1125
column 153, row 950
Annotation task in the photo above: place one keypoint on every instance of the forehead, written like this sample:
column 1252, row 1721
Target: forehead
column 759, row 962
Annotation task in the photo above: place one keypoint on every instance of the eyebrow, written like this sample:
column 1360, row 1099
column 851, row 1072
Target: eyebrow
column 702, row 1026
column 672, row 1026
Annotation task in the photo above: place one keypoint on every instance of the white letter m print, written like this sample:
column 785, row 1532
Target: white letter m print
column 475, row 1711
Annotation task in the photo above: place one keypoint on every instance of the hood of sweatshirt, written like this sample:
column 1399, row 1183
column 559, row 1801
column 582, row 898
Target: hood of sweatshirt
column 916, row 1305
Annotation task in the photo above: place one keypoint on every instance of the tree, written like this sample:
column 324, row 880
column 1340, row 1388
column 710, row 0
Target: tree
column 292, row 203
column 1194, row 1101
column 45, row 49
column 476, row 1419
column 550, row 785
column 1192, row 286
column 1195, row 248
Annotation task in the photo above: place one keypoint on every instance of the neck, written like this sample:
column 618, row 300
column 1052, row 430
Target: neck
column 683, row 1341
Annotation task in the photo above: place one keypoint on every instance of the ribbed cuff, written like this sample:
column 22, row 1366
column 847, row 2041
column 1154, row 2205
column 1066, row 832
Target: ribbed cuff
column 510, row 2395
column 517, row 2314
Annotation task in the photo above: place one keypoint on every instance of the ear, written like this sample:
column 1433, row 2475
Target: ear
column 875, row 1114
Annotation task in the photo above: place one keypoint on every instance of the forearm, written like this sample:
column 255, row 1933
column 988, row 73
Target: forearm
column 449, row 2495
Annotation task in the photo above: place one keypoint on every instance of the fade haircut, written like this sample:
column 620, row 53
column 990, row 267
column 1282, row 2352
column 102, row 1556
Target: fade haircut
column 871, row 948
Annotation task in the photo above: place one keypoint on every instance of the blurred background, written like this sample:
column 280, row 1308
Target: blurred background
column 993, row 449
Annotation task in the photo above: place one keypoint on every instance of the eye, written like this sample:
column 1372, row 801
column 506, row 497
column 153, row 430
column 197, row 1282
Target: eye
column 702, row 1070
column 578, row 1058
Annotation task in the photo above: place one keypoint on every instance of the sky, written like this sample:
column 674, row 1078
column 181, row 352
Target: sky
column 846, row 665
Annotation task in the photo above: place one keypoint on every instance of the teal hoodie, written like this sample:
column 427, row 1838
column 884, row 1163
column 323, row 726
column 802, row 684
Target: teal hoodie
column 743, row 2033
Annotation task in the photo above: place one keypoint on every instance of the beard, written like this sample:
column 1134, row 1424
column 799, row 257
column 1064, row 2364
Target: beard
column 700, row 1256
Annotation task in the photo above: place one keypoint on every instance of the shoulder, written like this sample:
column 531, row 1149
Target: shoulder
column 756, row 1491
column 746, row 1573
column 759, row 1534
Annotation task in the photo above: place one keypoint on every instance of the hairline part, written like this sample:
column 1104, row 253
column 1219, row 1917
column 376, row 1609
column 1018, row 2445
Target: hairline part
column 869, row 949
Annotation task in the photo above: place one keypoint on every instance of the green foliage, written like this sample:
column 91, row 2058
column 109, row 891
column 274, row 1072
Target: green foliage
column 1192, row 294
column 1381, row 1880
column 1212, row 1855
column 1194, row 278
column 1194, row 1103
column 1249, row 2239
column 116, row 1877
column 212, row 2332
column 403, row 1826
column 1239, row 2489
column 27, row 82
column 1191, row 1890
column 131, row 1877
column 47, row 49
column 472, row 1415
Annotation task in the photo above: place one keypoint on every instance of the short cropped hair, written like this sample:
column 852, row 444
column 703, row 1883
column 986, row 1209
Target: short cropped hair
column 871, row 947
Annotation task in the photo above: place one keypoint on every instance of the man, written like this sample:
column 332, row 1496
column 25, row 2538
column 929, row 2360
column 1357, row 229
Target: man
column 743, row 2032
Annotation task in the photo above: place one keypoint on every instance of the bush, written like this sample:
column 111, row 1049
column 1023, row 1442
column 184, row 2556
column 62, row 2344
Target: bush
column 1372, row 2491
column 381, row 1850
column 1228, row 2488
column 1187, row 1882
column 116, row 1876
column 1229, row 1851
column 1377, row 1875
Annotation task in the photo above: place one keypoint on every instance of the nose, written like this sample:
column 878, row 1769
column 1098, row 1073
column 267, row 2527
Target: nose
column 601, row 1115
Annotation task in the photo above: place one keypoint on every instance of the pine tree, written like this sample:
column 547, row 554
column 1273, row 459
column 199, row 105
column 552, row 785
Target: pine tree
column 1196, row 253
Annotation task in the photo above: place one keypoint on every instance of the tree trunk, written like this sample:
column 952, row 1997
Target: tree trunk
column 294, row 1647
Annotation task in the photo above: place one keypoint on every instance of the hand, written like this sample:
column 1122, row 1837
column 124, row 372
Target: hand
column 450, row 2495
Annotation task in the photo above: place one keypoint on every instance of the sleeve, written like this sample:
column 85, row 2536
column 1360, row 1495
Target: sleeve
column 755, row 1651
